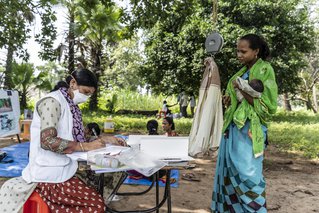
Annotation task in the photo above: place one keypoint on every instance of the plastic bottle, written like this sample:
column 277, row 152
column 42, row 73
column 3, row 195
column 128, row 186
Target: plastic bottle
column 106, row 162
column 109, row 125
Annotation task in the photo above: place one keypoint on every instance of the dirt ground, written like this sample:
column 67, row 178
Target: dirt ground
column 292, row 186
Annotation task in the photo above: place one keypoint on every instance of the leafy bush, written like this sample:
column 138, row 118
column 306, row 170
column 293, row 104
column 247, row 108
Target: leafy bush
column 290, row 131
column 134, row 123
column 296, row 131
column 301, row 117
column 296, row 137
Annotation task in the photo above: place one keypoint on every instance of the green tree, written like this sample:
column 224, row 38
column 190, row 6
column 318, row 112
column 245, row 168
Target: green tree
column 175, row 42
column 15, row 28
column 24, row 80
column 307, row 90
column 125, row 61
column 97, row 22
column 50, row 73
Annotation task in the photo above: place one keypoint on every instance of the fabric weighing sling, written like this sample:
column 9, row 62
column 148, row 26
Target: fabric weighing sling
column 208, row 120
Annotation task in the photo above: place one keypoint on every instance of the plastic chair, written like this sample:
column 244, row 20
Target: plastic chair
column 25, row 129
column 162, row 114
column 35, row 204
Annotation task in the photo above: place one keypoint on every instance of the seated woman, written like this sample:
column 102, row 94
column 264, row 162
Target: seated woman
column 152, row 126
column 169, row 126
column 57, row 130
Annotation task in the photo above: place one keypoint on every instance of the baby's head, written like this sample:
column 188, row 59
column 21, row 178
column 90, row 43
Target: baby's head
column 257, row 85
column 92, row 129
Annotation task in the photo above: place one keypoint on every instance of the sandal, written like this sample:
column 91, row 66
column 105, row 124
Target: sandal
column 135, row 177
column 163, row 179
column 190, row 177
column 190, row 166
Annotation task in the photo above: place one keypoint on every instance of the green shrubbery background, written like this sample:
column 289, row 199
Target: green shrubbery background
column 289, row 131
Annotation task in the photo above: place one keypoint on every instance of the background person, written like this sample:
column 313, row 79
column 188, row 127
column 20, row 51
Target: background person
column 238, row 168
column 152, row 126
column 184, row 105
column 169, row 126
column 165, row 109
column 180, row 101
column 192, row 103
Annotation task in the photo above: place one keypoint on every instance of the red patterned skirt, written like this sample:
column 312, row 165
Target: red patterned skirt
column 71, row 196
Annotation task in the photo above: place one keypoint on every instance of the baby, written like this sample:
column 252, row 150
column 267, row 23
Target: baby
column 254, row 88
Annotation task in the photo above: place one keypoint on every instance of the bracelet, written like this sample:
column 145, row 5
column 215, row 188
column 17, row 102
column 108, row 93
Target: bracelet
column 81, row 147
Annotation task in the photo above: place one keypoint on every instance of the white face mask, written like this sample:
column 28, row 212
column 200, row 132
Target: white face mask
column 79, row 97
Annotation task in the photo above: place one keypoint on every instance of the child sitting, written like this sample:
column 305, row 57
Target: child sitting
column 92, row 131
column 165, row 109
column 152, row 126
column 169, row 126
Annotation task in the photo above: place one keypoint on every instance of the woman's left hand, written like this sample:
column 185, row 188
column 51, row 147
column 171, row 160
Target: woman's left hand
column 113, row 140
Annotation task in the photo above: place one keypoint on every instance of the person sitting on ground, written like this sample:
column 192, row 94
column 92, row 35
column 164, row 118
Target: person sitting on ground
column 152, row 126
column 92, row 131
column 165, row 108
column 169, row 126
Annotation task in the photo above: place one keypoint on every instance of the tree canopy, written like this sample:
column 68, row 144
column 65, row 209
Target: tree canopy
column 175, row 38
column 15, row 24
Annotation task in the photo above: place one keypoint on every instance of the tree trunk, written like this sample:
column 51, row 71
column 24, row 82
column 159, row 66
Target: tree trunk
column 23, row 101
column 8, row 71
column 287, row 102
column 96, row 54
column 71, row 42
column 314, row 97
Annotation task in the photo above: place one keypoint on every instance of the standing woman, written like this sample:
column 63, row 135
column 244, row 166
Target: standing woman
column 239, row 185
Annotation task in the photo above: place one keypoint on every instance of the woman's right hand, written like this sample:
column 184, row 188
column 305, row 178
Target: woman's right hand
column 226, row 100
column 96, row 144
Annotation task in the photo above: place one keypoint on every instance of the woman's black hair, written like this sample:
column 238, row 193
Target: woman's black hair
column 83, row 77
column 170, row 122
column 59, row 85
column 152, row 126
column 96, row 128
column 257, row 42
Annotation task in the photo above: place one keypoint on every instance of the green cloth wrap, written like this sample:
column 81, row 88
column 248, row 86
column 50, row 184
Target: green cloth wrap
column 262, row 108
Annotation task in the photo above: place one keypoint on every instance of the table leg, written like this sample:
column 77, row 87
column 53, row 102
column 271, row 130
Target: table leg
column 168, row 181
column 101, row 184
column 166, row 197
column 157, row 190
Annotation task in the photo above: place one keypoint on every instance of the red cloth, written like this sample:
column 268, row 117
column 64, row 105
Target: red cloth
column 71, row 196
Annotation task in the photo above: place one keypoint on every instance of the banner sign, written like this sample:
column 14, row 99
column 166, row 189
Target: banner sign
column 9, row 113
